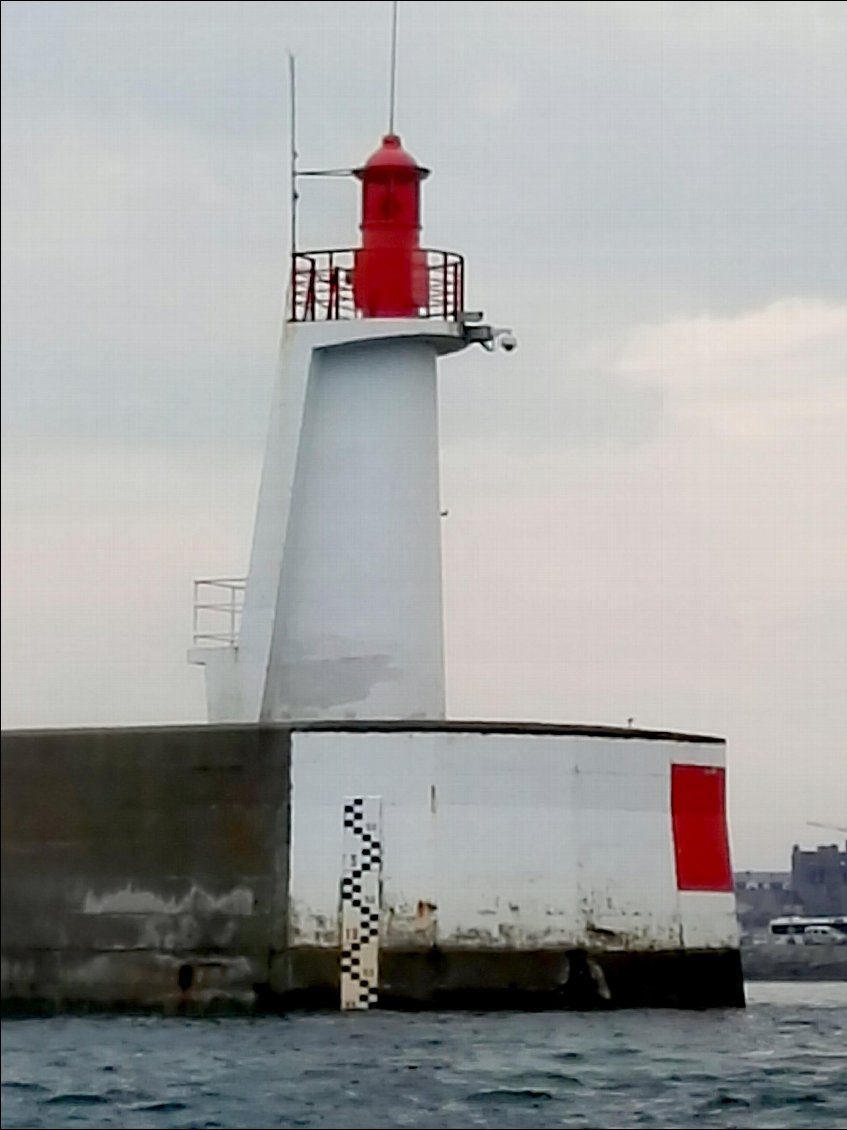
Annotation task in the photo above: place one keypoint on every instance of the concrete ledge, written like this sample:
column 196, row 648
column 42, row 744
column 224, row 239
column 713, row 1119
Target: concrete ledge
column 46, row 982
column 410, row 980
column 375, row 726
column 523, row 980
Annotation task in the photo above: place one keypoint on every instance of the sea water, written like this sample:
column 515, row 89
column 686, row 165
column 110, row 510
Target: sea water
column 782, row 1062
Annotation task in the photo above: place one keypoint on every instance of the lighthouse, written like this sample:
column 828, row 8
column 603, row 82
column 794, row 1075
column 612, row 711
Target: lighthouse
column 332, row 838
column 414, row 857
column 340, row 616
column 339, row 841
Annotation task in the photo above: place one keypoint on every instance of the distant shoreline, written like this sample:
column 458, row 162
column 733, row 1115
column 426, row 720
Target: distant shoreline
column 780, row 962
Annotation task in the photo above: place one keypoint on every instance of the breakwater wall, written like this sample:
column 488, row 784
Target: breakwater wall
column 143, row 867
column 218, row 868
column 779, row 962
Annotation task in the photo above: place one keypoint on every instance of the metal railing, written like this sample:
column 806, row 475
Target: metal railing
column 218, row 604
column 322, row 286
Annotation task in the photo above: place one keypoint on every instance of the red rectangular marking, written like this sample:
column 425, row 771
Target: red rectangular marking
column 698, row 813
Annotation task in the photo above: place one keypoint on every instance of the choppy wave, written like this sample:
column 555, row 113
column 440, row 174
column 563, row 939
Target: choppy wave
column 782, row 1062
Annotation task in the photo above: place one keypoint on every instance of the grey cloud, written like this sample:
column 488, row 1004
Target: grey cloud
column 686, row 157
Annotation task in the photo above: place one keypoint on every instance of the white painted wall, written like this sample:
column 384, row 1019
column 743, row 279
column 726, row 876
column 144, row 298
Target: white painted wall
column 342, row 613
column 223, row 685
column 707, row 917
column 359, row 618
column 516, row 840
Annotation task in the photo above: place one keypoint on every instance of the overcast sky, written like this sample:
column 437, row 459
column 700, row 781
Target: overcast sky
column 647, row 501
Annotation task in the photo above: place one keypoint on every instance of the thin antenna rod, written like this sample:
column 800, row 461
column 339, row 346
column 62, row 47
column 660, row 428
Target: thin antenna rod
column 392, row 98
column 292, row 104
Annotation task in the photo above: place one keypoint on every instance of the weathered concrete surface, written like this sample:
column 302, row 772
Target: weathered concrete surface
column 149, row 869
column 436, row 977
column 781, row 962
column 143, row 868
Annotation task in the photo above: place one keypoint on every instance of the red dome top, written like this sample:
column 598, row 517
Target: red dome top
column 393, row 158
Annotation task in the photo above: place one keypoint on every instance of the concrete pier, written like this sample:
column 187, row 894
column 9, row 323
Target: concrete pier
column 198, row 869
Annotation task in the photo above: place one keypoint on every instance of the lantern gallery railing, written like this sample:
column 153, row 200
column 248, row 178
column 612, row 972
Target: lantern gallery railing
column 218, row 604
column 322, row 286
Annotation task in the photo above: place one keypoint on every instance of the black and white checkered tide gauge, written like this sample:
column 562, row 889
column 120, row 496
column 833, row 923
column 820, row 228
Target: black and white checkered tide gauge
column 360, row 897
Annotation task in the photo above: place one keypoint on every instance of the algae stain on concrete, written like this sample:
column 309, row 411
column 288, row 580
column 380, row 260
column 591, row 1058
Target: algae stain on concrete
column 238, row 901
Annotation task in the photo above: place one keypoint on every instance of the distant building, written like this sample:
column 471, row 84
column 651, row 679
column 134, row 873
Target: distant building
column 816, row 885
column 819, row 879
column 763, row 895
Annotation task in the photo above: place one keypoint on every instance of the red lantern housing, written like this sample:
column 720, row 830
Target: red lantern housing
column 390, row 273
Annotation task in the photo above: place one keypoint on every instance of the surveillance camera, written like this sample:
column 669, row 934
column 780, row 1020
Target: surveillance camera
column 508, row 342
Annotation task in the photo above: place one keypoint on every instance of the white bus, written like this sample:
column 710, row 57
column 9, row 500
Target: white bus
column 810, row 931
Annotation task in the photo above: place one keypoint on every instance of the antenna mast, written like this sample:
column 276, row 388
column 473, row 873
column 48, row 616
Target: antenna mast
column 392, row 97
column 295, row 172
column 292, row 105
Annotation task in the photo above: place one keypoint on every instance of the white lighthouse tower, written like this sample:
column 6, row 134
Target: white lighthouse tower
column 420, row 858
column 342, row 608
